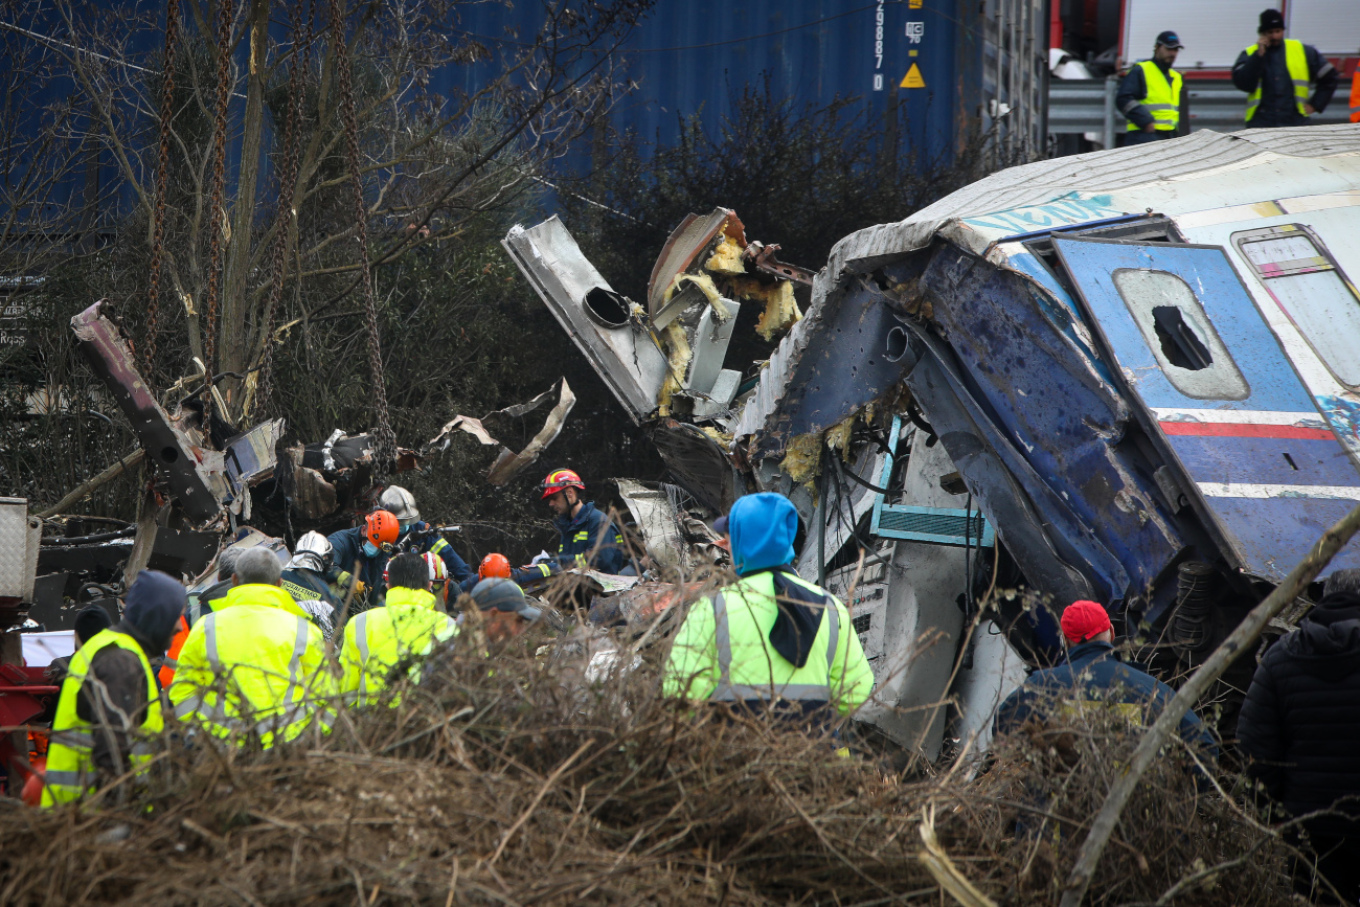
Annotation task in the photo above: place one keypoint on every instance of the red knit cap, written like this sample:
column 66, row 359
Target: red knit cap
column 1082, row 620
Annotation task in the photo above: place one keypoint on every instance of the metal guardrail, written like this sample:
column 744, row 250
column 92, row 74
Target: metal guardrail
column 1087, row 105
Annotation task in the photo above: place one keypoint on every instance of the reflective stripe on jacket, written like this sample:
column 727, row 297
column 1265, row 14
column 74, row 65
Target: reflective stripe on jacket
column 1163, row 98
column 723, row 653
column 378, row 640
column 70, row 769
column 1296, row 61
column 255, row 667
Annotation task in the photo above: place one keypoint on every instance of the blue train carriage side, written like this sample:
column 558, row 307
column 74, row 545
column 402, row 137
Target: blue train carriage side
column 1141, row 361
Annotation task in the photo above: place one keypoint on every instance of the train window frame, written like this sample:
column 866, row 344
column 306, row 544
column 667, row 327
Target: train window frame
column 1313, row 326
column 1218, row 379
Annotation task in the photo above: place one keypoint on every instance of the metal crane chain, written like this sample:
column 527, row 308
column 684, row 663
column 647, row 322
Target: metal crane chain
column 284, row 217
column 217, row 208
column 385, row 452
column 162, row 179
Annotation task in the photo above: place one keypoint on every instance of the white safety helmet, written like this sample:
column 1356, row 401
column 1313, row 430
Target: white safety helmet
column 400, row 503
column 439, row 575
column 313, row 552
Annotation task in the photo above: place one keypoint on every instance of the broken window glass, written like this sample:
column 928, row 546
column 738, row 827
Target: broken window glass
column 1308, row 286
column 1180, row 335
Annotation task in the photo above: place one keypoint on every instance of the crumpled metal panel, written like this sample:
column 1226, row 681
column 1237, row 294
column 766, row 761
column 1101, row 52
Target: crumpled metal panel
column 623, row 353
column 845, row 364
column 698, row 463
column 683, row 246
column 774, row 377
column 1006, row 364
column 194, row 473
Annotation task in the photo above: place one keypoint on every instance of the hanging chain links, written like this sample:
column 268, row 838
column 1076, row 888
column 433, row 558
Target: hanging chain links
column 385, row 452
column 217, row 207
column 162, row 181
column 285, row 216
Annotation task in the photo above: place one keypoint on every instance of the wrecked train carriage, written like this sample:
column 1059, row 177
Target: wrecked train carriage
column 1126, row 368
column 1140, row 362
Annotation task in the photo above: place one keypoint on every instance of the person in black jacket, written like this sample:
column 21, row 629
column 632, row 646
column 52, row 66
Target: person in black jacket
column 1276, row 73
column 1300, row 730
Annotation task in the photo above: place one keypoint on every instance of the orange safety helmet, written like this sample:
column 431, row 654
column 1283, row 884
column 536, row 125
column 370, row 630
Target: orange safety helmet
column 494, row 565
column 383, row 528
column 559, row 479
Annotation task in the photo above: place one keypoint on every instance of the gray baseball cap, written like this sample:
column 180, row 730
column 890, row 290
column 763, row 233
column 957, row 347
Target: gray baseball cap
column 499, row 594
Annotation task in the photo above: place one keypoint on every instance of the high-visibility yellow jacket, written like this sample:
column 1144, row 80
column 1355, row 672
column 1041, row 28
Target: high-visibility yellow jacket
column 723, row 653
column 1296, row 61
column 70, row 769
column 1163, row 98
column 254, row 668
column 379, row 639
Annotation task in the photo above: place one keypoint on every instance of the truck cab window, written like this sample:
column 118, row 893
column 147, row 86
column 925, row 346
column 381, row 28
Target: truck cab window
column 1180, row 335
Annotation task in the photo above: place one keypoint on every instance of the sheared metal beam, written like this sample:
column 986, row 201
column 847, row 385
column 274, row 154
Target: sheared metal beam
column 195, row 474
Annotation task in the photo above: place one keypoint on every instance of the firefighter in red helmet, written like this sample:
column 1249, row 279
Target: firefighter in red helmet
column 588, row 538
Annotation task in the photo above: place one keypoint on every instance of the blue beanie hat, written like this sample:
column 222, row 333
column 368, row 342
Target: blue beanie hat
column 763, row 527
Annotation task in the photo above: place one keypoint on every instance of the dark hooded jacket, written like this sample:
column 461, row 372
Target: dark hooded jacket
column 1300, row 724
column 116, row 685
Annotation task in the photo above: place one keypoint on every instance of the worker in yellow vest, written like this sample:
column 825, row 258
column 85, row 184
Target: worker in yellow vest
column 1151, row 94
column 109, row 717
column 255, row 668
column 1286, row 81
column 409, row 624
column 770, row 641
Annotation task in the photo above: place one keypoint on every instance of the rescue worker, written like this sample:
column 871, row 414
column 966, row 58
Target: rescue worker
column 254, row 668
column 1276, row 73
column 772, row 639
column 199, row 605
column 503, row 611
column 109, row 709
column 588, row 538
column 417, row 536
column 380, row 639
column 304, row 577
column 1094, row 677
column 1151, row 94
column 369, row 546
column 497, row 566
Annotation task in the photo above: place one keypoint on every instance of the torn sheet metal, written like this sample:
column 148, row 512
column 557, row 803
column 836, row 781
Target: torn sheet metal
column 656, row 519
column 699, row 463
column 684, row 247
column 195, row 473
column 508, row 463
column 602, row 323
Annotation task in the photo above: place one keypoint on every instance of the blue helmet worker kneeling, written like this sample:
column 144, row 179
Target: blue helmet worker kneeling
column 771, row 638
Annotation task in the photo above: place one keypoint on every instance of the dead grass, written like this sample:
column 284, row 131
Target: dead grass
column 512, row 781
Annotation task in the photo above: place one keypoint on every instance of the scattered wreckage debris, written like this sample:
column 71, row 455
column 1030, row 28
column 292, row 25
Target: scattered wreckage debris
column 509, row 464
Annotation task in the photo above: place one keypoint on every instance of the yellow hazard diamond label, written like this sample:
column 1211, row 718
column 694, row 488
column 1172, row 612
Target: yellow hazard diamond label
column 913, row 78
